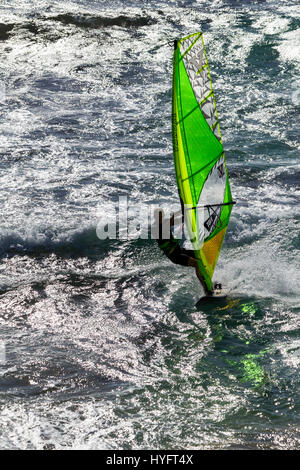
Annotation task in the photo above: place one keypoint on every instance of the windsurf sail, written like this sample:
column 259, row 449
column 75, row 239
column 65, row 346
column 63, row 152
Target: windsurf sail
column 200, row 165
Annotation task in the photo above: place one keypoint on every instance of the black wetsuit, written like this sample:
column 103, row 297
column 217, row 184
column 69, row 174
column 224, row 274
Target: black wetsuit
column 173, row 250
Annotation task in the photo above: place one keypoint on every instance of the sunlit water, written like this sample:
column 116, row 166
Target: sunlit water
column 105, row 344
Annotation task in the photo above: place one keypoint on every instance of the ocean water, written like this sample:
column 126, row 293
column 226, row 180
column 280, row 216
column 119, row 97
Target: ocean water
column 102, row 342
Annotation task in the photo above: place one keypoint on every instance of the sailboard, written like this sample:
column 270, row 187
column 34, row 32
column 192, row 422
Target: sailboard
column 200, row 166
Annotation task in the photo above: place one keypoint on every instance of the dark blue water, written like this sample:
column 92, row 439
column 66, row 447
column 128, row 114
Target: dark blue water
column 105, row 345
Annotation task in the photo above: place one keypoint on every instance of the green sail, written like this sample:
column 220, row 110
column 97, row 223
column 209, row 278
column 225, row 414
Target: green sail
column 200, row 166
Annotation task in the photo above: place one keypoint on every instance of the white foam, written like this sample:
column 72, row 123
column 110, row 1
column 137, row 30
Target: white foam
column 289, row 49
column 260, row 270
column 268, row 24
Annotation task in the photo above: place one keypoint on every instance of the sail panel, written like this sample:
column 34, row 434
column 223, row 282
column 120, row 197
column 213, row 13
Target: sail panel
column 212, row 248
column 209, row 112
column 196, row 64
column 198, row 138
column 188, row 41
column 212, row 197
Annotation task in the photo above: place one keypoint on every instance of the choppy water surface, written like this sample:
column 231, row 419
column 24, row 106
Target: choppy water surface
column 105, row 345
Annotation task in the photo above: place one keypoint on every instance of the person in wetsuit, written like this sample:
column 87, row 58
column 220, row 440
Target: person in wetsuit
column 172, row 249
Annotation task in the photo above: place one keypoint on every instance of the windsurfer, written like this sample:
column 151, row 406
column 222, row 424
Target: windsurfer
column 171, row 246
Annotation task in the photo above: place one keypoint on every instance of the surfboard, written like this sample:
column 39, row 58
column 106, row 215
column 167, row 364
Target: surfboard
column 219, row 292
column 199, row 159
column 217, row 295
